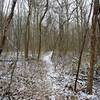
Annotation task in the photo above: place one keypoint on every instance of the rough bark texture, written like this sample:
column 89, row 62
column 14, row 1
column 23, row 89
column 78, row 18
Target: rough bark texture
column 93, row 47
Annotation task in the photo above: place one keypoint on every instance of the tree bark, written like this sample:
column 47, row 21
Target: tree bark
column 40, row 30
column 27, row 35
column 2, row 42
column 82, row 48
column 93, row 47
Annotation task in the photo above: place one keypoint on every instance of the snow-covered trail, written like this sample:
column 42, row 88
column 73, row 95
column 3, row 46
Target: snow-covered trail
column 56, row 83
column 47, row 59
column 51, row 74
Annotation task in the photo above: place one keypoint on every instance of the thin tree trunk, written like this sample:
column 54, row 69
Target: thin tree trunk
column 7, row 26
column 27, row 36
column 40, row 30
column 81, row 51
column 93, row 47
column 98, row 36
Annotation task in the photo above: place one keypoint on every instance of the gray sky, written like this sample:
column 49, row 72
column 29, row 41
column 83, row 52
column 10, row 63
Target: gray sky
column 7, row 5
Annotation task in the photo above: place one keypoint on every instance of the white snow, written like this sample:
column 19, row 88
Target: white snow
column 92, row 97
column 52, row 80
column 47, row 57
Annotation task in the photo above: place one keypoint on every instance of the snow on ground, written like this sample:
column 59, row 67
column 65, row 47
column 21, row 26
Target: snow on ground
column 66, row 79
column 33, row 79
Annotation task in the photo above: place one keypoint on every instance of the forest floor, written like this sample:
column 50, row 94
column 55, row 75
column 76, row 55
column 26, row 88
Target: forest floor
column 48, row 79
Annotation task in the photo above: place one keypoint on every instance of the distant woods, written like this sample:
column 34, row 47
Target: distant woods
column 34, row 30
column 36, row 26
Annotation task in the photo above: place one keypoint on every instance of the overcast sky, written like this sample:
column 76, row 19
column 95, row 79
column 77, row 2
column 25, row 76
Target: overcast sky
column 7, row 5
column 8, row 2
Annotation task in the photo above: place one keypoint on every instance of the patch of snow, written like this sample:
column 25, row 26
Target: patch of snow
column 92, row 97
column 47, row 57
column 84, row 96
column 52, row 97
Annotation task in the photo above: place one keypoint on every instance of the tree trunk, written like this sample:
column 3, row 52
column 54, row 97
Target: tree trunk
column 2, row 42
column 81, row 49
column 27, row 36
column 40, row 30
column 93, row 47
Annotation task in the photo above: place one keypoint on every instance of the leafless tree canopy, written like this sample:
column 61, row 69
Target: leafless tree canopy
column 45, row 42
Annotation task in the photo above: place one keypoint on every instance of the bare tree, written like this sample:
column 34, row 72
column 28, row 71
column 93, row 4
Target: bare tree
column 40, row 30
column 1, row 15
column 27, row 35
column 82, row 47
column 93, row 47
column 2, row 42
